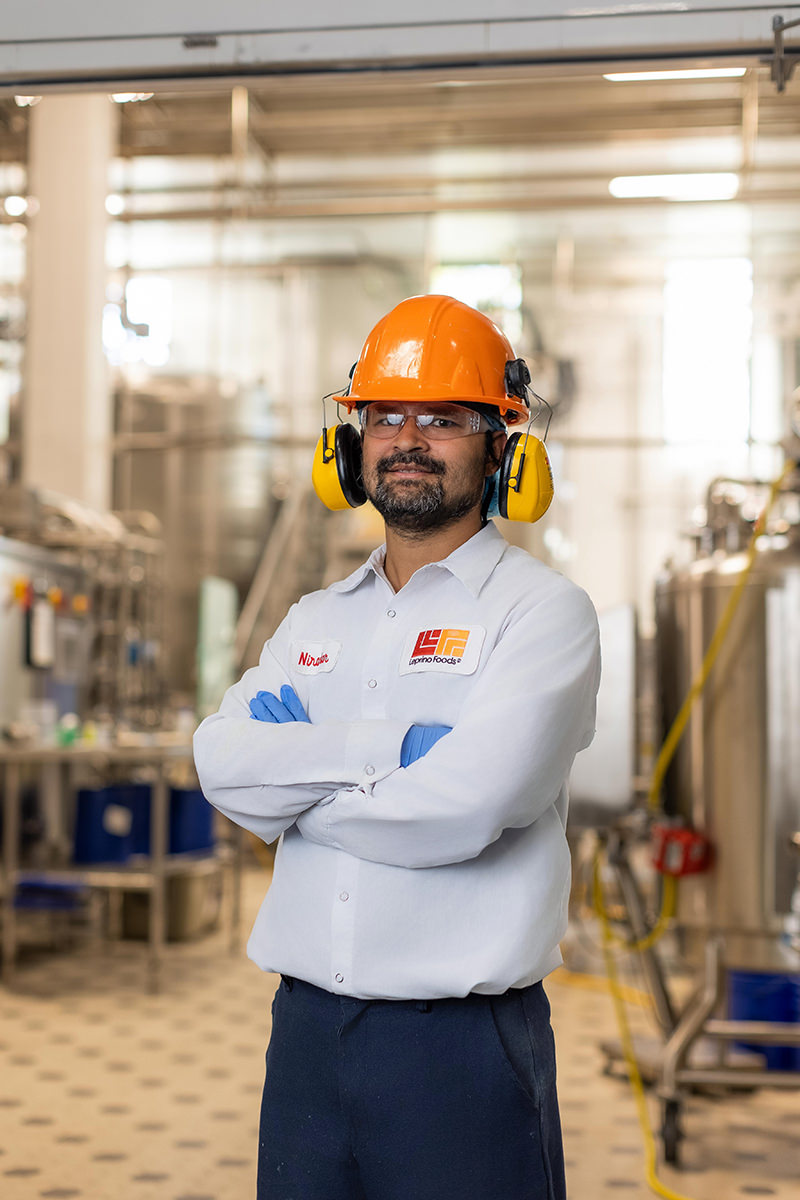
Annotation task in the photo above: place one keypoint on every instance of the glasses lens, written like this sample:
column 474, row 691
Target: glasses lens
column 437, row 424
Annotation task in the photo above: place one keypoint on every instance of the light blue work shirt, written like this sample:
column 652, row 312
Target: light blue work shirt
column 448, row 876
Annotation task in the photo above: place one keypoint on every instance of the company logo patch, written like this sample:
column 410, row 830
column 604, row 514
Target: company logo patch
column 311, row 658
column 448, row 644
column 455, row 650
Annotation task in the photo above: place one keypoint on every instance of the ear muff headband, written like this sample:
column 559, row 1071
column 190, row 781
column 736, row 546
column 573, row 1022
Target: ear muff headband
column 336, row 470
column 525, row 486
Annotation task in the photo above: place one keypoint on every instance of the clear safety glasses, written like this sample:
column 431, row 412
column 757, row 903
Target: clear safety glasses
column 439, row 423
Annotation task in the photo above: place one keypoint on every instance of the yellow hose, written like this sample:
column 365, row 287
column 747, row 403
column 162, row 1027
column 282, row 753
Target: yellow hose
column 564, row 977
column 653, row 1182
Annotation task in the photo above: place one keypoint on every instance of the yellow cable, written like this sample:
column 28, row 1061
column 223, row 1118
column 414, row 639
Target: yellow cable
column 653, row 1182
column 660, row 927
column 564, row 977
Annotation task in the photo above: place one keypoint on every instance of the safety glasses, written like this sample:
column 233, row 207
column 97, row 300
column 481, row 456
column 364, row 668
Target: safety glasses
column 438, row 423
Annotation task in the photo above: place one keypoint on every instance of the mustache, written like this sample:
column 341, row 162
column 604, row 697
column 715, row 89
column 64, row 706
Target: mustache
column 409, row 458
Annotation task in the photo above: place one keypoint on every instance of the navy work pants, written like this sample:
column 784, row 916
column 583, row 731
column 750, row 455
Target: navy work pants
column 449, row 1099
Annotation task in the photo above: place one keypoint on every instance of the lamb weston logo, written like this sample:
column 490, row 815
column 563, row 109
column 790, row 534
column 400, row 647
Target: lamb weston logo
column 445, row 646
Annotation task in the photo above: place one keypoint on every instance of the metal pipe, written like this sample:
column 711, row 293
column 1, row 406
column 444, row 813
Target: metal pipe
column 729, row 1077
column 159, row 822
column 618, row 857
column 691, row 1022
column 268, row 565
column 11, row 800
column 767, row 1032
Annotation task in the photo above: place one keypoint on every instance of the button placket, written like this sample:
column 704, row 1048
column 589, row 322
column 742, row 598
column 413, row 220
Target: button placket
column 343, row 914
column 377, row 666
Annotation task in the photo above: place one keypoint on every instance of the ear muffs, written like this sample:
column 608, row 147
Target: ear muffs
column 336, row 470
column 525, row 486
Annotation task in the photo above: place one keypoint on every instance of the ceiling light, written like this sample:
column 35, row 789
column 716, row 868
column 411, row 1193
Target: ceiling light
column 721, row 185
column 114, row 205
column 26, row 101
column 131, row 97
column 699, row 73
column 15, row 206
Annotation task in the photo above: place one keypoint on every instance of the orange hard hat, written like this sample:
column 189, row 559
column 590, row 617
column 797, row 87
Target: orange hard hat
column 434, row 348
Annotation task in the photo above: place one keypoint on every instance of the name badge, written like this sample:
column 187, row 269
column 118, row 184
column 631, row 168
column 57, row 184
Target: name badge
column 454, row 650
column 311, row 658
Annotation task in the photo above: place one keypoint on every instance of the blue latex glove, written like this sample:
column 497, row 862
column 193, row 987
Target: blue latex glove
column 419, row 740
column 265, row 706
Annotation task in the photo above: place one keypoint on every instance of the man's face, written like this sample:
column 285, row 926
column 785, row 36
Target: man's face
column 419, row 482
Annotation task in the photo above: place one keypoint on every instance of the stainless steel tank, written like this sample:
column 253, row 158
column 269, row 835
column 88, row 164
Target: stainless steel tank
column 736, row 774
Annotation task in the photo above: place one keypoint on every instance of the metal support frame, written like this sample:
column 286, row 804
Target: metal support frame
column 697, row 1019
column 781, row 64
column 151, row 877
column 618, row 858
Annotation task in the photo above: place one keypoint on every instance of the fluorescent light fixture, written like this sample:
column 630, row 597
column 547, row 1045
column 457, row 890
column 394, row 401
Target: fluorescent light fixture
column 15, row 206
column 114, row 205
column 131, row 97
column 695, row 73
column 721, row 185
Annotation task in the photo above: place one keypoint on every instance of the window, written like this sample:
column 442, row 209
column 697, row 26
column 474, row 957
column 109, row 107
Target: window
column 708, row 320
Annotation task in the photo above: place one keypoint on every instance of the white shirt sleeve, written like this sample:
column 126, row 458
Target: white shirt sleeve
column 503, row 764
column 263, row 775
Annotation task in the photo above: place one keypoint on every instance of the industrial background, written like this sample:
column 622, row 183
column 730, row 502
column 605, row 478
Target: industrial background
column 201, row 217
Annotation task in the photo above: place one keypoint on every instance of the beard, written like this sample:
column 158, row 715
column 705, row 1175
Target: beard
column 421, row 505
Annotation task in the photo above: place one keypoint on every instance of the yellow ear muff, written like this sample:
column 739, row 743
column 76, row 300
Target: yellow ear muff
column 336, row 469
column 525, row 487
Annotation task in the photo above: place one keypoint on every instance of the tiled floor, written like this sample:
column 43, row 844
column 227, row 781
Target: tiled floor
column 108, row 1093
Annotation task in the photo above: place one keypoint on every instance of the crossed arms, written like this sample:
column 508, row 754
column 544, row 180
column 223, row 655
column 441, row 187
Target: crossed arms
column 502, row 766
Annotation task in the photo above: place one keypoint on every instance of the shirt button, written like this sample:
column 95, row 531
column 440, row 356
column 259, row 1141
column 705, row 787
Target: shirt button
column 344, row 895
column 369, row 769
column 391, row 613
column 339, row 978
column 372, row 683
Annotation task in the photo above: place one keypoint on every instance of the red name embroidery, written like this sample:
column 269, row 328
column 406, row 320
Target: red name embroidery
column 307, row 660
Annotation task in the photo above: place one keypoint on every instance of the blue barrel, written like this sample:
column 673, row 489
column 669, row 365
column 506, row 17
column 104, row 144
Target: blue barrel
column 191, row 821
column 760, row 996
column 101, row 812
column 103, row 827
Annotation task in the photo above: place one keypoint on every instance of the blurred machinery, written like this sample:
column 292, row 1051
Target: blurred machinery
column 81, row 621
column 100, row 814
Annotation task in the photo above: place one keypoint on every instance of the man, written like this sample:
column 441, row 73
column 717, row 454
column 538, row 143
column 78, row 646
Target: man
column 415, row 727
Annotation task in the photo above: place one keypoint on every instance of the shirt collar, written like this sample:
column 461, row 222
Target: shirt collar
column 472, row 563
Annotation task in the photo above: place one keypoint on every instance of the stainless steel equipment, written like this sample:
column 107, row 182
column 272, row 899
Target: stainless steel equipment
column 46, row 636
column 85, row 589
column 736, row 778
column 736, row 774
